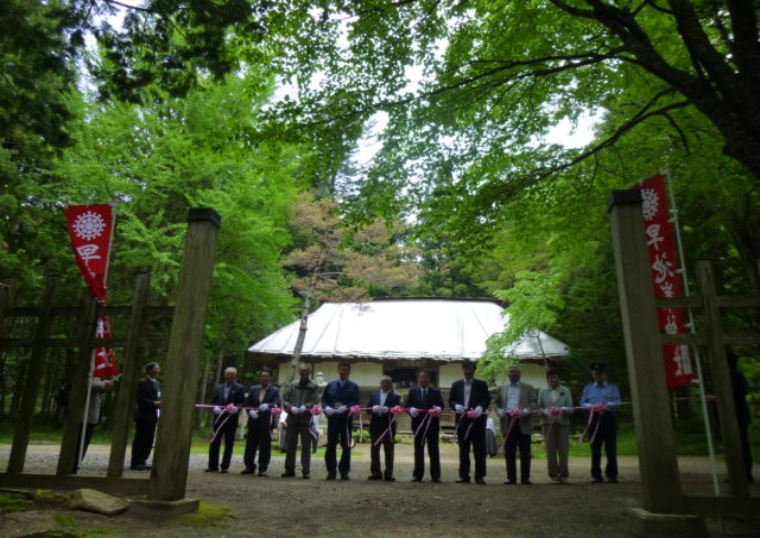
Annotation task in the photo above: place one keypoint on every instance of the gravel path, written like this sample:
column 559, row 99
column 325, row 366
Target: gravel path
column 275, row 507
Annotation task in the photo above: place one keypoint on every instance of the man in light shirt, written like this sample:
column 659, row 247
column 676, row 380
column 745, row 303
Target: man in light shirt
column 556, row 404
column 382, row 429
column 515, row 402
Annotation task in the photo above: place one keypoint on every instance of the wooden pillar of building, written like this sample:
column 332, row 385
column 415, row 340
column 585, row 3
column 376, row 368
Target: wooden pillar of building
column 170, row 462
column 660, row 480
column 131, row 370
column 80, row 379
column 721, row 376
column 25, row 417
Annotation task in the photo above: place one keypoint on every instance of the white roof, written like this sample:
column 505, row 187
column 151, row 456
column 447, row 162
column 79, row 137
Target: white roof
column 441, row 329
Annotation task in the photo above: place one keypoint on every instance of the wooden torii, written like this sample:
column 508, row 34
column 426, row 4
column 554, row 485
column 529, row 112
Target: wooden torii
column 667, row 511
column 168, row 480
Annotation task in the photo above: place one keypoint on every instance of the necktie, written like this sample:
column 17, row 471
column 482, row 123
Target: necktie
column 424, row 395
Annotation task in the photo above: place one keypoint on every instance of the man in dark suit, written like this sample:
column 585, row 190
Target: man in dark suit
column 469, row 397
column 381, row 429
column 420, row 400
column 227, row 398
column 338, row 397
column 148, row 396
column 264, row 396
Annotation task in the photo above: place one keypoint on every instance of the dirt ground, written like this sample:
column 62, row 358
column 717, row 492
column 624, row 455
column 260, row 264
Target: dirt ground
column 274, row 507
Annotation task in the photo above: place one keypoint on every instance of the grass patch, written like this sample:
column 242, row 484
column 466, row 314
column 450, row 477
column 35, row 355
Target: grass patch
column 12, row 503
column 207, row 515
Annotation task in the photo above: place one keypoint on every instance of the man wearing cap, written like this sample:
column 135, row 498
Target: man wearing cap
column 148, row 396
column 515, row 403
column 601, row 399
column 426, row 427
column 298, row 400
column 469, row 398
column 382, row 429
column 228, row 396
column 338, row 398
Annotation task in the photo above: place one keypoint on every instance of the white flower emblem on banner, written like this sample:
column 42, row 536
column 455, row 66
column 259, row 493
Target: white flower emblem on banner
column 651, row 203
column 89, row 225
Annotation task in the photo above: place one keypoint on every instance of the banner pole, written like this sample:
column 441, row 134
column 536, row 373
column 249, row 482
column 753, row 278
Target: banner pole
column 697, row 357
column 86, row 414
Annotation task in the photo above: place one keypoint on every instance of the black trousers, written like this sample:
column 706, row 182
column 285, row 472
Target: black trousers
column 603, row 430
column 339, row 429
column 259, row 440
column 746, row 450
column 431, row 439
column 517, row 440
column 476, row 439
column 388, row 449
column 142, row 444
column 228, row 430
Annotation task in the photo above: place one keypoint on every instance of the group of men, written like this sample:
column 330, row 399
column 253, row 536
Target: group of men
column 516, row 404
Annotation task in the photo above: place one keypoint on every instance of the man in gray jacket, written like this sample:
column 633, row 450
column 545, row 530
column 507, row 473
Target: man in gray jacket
column 556, row 404
column 298, row 400
column 515, row 403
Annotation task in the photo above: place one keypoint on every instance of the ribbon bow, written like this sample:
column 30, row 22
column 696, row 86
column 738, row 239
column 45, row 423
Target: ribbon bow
column 434, row 412
column 554, row 411
column 315, row 411
column 515, row 413
column 397, row 410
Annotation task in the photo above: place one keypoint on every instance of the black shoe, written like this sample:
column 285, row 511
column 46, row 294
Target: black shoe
column 225, row 471
column 389, row 479
column 288, row 474
column 509, row 482
column 436, row 480
column 416, row 479
column 263, row 473
column 330, row 476
column 526, row 482
column 344, row 477
column 480, row 481
column 248, row 470
column 211, row 471
column 596, row 480
column 374, row 477
column 465, row 480
column 306, row 476
column 148, row 466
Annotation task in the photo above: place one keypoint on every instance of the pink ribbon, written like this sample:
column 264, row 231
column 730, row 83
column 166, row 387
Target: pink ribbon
column 356, row 411
column 226, row 410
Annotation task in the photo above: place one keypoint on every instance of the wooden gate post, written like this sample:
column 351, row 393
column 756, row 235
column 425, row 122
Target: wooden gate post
column 130, row 373
column 28, row 404
column 737, row 473
column 80, row 379
column 660, row 480
column 169, row 474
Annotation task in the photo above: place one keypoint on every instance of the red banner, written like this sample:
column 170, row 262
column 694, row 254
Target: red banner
column 665, row 276
column 105, row 362
column 90, row 229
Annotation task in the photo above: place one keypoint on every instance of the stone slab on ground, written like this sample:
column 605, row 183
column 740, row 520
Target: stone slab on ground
column 91, row 500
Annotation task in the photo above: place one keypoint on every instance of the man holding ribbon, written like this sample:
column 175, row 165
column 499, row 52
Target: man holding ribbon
column 300, row 400
column 338, row 398
column 515, row 402
column 261, row 421
column 425, row 403
column 382, row 428
column 228, row 397
column 469, row 397
column 601, row 399
column 148, row 397
column 556, row 404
